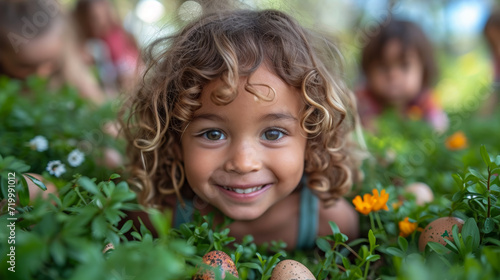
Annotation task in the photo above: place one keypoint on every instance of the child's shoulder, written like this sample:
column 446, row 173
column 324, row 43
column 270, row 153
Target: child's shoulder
column 343, row 214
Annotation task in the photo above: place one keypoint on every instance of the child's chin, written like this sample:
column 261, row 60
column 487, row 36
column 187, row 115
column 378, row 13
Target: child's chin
column 243, row 215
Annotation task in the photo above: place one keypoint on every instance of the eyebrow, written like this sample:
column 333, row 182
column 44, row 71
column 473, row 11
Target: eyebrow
column 279, row 116
column 267, row 117
column 209, row 116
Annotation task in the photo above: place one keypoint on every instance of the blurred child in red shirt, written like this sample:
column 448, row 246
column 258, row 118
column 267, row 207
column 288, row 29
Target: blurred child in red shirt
column 111, row 47
column 492, row 34
column 399, row 68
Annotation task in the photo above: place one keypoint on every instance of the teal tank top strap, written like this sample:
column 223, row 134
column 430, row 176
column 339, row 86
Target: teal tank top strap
column 183, row 214
column 308, row 219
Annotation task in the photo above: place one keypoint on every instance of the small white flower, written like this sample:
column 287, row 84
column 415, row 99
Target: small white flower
column 39, row 143
column 75, row 158
column 56, row 168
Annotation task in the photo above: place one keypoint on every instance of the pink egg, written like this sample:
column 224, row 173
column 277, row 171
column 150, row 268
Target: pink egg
column 438, row 230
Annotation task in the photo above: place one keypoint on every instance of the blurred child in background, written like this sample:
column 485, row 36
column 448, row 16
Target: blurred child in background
column 35, row 40
column 492, row 34
column 399, row 68
column 107, row 44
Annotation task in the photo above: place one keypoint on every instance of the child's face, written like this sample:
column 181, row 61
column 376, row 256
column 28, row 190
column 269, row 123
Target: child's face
column 39, row 56
column 101, row 19
column 250, row 145
column 397, row 77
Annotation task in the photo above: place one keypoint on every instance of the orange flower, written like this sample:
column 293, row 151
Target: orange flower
column 415, row 113
column 457, row 141
column 370, row 202
column 397, row 204
column 406, row 227
column 380, row 201
column 365, row 205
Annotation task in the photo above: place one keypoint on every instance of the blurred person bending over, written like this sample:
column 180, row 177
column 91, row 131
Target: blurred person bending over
column 35, row 39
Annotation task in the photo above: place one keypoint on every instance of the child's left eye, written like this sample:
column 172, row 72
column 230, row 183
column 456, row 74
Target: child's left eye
column 214, row 135
column 273, row 135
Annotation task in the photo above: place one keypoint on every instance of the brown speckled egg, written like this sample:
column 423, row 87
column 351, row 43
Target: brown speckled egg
column 439, row 229
column 290, row 269
column 217, row 259
column 422, row 192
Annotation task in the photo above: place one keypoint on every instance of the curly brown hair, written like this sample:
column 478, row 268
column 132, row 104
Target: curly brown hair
column 229, row 45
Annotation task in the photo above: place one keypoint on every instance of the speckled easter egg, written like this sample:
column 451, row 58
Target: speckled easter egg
column 422, row 192
column 439, row 229
column 290, row 269
column 217, row 259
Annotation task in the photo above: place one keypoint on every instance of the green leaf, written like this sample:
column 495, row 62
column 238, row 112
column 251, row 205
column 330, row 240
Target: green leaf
column 137, row 236
column 451, row 244
column 372, row 240
column 471, row 230
column 252, row 266
column 457, row 238
column 484, row 155
column 58, row 252
column 438, row 248
column 99, row 227
column 458, row 196
column 88, row 185
column 323, row 244
column 458, row 180
column 161, row 222
column 55, row 199
column 112, row 237
column 340, row 237
column 274, row 260
column 37, row 182
column 114, row 176
column 493, row 256
column 69, row 199
column 4, row 187
column 395, row 252
column 23, row 192
column 492, row 241
column 346, row 263
column 489, row 225
column 334, row 227
column 477, row 174
column 478, row 189
column 403, row 243
column 127, row 226
column 494, row 188
column 372, row 258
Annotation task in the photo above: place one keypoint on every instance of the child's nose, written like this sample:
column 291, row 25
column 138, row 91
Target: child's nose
column 243, row 158
column 394, row 73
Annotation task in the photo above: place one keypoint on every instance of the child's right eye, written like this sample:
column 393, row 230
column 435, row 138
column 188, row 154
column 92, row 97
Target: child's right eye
column 214, row 135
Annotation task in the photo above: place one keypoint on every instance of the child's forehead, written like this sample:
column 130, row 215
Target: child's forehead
column 395, row 49
column 263, row 83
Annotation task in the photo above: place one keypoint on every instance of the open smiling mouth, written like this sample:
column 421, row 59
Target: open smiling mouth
column 244, row 191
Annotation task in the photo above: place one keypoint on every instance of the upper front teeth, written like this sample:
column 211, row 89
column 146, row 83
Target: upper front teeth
column 249, row 190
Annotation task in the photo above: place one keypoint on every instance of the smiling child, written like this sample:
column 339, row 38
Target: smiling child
column 242, row 113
